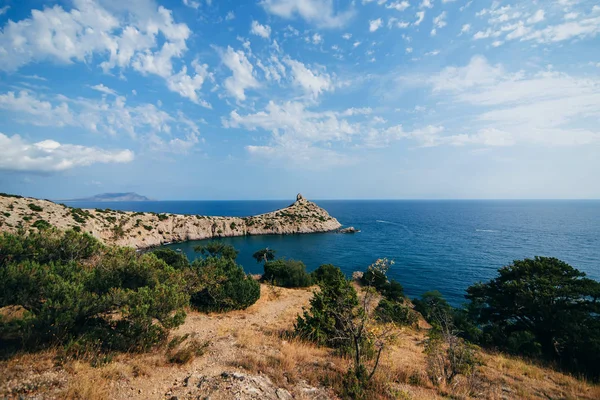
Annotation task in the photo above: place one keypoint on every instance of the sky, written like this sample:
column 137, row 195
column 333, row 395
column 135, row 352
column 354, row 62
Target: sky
column 262, row 99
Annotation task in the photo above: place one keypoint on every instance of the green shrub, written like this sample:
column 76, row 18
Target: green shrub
column 217, row 249
column 163, row 217
column 172, row 258
column 327, row 274
column 431, row 305
column 78, row 293
column 34, row 207
column 287, row 273
column 41, row 224
column 16, row 196
column 219, row 284
column 541, row 306
column 378, row 279
column 329, row 306
column 395, row 312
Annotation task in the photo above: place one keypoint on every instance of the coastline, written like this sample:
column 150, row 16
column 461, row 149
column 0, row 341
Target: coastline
column 144, row 230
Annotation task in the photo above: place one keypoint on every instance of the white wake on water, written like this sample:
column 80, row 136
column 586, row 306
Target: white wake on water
column 386, row 222
column 485, row 230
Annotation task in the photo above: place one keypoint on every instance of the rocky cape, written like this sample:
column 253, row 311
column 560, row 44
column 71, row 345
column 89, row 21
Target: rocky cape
column 144, row 229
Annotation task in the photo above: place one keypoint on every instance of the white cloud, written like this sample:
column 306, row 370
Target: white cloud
column 52, row 156
column 263, row 31
column 314, row 39
column 375, row 24
column 585, row 27
column 243, row 73
column 477, row 72
column 298, row 154
column 440, row 20
column 517, row 22
column 318, row 12
column 230, row 16
column 420, row 17
column 399, row 5
column 426, row 4
column 537, row 17
column 189, row 86
column 4, row 10
column 123, row 35
column 465, row 28
column 112, row 117
column 191, row 4
column 547, row 108
column 292, row 119
column 106, row 90
column 347, row 36
column 312, row 82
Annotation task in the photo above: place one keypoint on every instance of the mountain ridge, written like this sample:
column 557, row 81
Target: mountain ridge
column 117, row 196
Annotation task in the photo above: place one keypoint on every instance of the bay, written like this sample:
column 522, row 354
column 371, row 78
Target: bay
column 436, row 245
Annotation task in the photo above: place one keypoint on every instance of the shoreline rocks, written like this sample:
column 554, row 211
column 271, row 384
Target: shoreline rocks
column 143, row 230
column 349, row 229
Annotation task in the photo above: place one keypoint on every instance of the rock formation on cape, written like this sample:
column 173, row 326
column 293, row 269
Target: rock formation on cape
column 144, row 229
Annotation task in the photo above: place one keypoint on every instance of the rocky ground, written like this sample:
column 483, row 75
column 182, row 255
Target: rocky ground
column 142, row 230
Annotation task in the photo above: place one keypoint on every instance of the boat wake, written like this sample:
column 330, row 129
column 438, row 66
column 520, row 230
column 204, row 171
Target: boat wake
column 485, row 230
column 397, row 224
column 386, row 222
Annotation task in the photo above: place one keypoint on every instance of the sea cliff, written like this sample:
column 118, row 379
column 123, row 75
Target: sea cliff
column 144, row 229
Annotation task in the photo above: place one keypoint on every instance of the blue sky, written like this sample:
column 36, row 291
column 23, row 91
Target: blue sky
column 197, row 99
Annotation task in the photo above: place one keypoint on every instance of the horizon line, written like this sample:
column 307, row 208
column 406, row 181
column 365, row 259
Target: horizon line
column 347, row 199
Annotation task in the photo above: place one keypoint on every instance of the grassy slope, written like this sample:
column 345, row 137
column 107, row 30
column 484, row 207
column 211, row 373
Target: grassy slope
column 249, row 342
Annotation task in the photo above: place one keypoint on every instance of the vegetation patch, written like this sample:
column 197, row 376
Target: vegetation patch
column 34, row 207
column 287, row 273
column 126, row 302
column 41, row 224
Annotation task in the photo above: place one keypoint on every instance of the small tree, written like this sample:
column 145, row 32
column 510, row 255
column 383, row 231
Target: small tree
column 219, row 284
column 176, row 260
column 448, row 355
column 287, row 273
column 264, row 255
column 337, row 317
column 217, row 249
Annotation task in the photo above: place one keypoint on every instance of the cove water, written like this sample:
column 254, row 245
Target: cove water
column 443, row 245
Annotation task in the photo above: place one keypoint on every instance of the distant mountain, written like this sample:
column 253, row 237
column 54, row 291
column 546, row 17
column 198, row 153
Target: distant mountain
column 107, row 197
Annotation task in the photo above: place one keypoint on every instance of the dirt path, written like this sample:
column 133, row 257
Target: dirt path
column 250, row 329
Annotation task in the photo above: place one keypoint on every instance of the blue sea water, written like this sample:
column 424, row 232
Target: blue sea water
column 443, row 245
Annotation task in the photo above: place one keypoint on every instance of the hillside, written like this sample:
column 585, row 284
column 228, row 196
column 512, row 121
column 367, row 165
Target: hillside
column 246, row 358
column 109, row 197
column 142, row 230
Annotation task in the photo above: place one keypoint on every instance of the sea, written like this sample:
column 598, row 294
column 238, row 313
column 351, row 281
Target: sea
column 444, row 245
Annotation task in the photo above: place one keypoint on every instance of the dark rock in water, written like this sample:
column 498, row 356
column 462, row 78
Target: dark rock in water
column 349, row 229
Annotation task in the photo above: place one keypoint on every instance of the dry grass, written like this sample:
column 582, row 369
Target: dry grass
column 250, row 341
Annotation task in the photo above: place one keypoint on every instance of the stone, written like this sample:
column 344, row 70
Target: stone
column 299, row 197
column 283, row 394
